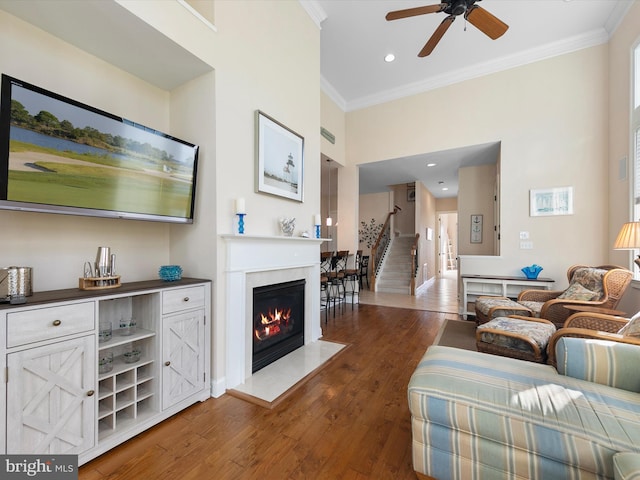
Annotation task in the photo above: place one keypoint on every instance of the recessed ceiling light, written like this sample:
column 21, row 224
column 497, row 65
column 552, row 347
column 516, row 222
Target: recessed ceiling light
column 445, row 188
column 431, row 164
column 390, row 57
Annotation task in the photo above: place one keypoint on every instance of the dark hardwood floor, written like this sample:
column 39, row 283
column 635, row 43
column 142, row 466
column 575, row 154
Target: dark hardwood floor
column 349, row 421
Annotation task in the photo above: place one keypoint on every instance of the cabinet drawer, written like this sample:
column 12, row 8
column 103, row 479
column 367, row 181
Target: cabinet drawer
column 48, row 323
column 182, row 299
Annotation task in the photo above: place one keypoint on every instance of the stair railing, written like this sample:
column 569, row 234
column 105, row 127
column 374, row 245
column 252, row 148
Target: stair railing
column 414, row 262
column 380, row 247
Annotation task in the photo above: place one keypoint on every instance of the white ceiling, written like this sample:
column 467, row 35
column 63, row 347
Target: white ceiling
column 355, row 37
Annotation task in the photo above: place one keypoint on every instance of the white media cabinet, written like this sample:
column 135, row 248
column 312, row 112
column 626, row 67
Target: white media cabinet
column 474, row 286
column 53, row 400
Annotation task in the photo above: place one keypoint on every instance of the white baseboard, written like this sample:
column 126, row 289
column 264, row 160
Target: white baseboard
column 218, row 388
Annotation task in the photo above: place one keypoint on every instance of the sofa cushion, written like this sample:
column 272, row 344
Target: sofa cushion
column 499, row 307
column 600, row 361
column 631, row 329
column 477, row 416
column 535, row 307
column 537, row 332
column 577, row 291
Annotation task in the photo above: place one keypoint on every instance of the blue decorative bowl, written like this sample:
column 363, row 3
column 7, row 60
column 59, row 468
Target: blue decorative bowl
column 170, row 273
column 532, row 271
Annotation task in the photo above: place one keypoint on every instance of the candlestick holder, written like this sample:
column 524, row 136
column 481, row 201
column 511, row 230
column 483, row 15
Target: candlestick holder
column 317, row 231
column 241, row 223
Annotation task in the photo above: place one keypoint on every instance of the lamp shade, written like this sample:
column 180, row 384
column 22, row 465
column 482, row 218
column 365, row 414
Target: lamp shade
column 628, row 237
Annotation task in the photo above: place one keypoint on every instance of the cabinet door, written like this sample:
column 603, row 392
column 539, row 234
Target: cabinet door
column 50, row 398
column 183, row 350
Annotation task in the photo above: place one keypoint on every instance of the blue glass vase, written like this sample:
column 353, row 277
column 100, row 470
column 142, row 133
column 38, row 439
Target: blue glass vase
column 532, row 271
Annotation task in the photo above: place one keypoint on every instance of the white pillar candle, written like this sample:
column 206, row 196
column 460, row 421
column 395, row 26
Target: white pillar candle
column 316, row 219
column 240, row 208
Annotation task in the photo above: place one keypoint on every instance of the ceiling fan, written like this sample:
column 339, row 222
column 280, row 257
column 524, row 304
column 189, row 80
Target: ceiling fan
column 484, row 21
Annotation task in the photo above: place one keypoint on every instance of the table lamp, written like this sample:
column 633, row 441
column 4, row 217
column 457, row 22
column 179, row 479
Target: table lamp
column 629, row 239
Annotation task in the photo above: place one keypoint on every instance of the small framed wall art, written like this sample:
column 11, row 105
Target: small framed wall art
column 279, row 159
column 411, row 192
column 476, row 228
column 551, row 201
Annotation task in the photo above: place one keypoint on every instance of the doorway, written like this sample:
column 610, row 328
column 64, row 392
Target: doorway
column 447, row 242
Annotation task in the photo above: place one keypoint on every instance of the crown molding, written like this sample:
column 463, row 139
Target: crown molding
column 589, row 39
column 615, row 19
column 315, row 11
column 332, row 93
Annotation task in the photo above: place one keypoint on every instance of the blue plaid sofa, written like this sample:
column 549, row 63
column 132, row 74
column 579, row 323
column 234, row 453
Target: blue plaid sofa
column 479, row 416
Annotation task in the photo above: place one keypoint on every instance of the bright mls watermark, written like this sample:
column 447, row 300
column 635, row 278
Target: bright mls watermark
column 50, row 467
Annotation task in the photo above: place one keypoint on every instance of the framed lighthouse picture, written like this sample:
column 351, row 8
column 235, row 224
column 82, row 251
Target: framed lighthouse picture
column 279, row 159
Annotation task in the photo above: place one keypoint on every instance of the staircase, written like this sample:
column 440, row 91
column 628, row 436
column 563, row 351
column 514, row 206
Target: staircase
column 395, row 273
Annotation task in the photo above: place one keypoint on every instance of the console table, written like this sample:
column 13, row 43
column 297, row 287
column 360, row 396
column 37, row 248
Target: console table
column 474, row 286
column 71, row 389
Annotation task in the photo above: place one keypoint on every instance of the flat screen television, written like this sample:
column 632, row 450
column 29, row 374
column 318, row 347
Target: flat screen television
column 58, row 155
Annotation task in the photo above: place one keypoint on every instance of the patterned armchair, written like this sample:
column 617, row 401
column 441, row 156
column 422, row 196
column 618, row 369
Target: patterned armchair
column 596, row 326
column 600, row 286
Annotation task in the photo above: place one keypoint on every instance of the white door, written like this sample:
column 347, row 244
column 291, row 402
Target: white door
column 183, row 349
column 50, row 398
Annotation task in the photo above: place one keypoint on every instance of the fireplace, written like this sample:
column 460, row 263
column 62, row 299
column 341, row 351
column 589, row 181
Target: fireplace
column 278, row 321
column 254, row 261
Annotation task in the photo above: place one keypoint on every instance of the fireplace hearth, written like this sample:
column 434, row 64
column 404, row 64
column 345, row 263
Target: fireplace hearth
column 278, row 321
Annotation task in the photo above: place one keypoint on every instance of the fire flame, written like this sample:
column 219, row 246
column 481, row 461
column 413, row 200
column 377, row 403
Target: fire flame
column 272, row 323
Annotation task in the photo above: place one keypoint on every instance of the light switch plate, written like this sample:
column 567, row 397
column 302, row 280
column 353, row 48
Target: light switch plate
column 526, row 245
column 524, row 235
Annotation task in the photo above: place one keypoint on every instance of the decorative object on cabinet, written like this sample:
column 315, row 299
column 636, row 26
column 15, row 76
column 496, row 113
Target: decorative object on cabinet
column 280, row 159
column 476, row 228
column 170, row 273
column 15, row 283
column 551, row 201
column 532, row 271
column 99, row 283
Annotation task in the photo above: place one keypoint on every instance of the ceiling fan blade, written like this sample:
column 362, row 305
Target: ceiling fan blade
column 487, row 23
column 412, row 12
column 437, row 35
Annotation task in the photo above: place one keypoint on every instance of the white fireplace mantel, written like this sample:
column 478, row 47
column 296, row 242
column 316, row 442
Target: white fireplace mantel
column 253, row 261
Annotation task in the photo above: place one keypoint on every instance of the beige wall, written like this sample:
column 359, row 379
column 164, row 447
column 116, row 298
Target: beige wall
column 268, row 58
column 404, row 222
column 426, row 218
column 333, row 119
column 620, row 47
column 373, row 206
column 549, row 132
column 56, row 246
column 475, row 197
column 265, row 55
column 619, row 113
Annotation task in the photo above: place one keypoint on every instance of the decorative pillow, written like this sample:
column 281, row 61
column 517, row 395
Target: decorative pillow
column 590, row 278
column 631, row 329
column 578, row 292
